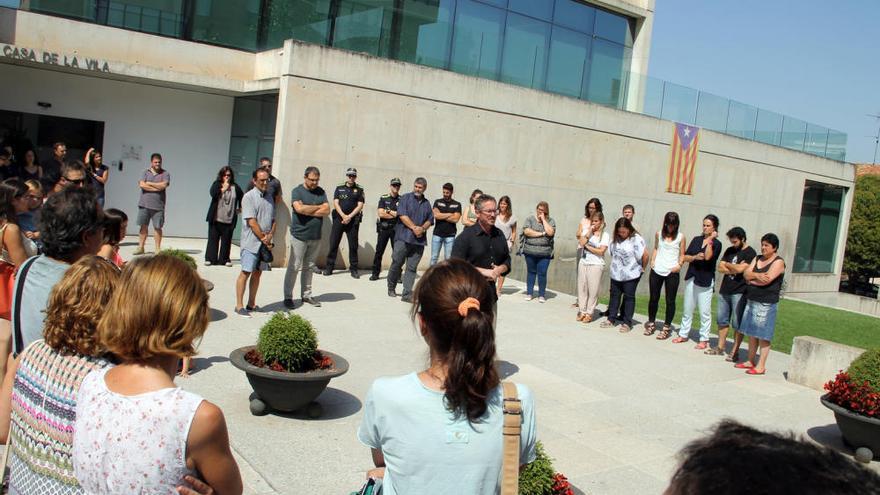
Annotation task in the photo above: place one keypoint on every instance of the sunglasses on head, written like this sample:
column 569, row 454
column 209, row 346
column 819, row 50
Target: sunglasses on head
column 78, row 182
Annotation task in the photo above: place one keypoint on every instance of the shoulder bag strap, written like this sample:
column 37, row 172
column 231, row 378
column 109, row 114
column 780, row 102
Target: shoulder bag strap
column 512, row 408
column 16, row 311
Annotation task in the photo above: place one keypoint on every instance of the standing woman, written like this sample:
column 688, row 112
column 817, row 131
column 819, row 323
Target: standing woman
column 702, row 253
column 666, row 262
column 538, row 230
column 29, row 170
column 470, row 216
column 99, row 173
column 222, row 216
column 440, row 430
column 764, row 276
column 628, row 260
column 584, row 227
column 593, row 244
column 158, row 311
column 506, row 222
column 12, row 255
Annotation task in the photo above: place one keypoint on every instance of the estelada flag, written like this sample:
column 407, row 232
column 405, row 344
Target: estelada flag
column 683, row 159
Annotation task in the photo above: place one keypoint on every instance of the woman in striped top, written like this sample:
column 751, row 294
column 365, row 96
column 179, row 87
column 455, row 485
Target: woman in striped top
column 41, row 385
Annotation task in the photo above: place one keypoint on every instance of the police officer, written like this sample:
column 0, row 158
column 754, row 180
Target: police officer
column 386, row 219
column 348, row 202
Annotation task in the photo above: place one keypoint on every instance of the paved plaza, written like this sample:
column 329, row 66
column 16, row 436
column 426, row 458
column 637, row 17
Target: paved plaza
column 613, row 409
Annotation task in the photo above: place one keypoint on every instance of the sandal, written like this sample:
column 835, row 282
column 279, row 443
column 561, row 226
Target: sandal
column 650, row 328
column 665, row 333
column 624, row 328
column 744, row 366
column 580, row 316
column 714, row 351
column 679, row 340
column 587, row 318
column 607, row 324
column 733, row 357
column 753, row 371
column 701, row 346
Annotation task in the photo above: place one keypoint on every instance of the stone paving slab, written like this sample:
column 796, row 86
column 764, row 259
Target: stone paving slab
column 613, row 409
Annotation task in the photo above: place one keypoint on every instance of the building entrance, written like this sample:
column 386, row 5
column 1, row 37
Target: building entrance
column 27, row 131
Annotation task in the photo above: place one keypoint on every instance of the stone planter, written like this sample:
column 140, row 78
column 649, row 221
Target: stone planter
column 859, row 432
column 284, row 391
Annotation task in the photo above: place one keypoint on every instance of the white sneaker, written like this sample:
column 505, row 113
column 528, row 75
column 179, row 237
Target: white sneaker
column 529, row 297
column 207, row 263
column 542, row 300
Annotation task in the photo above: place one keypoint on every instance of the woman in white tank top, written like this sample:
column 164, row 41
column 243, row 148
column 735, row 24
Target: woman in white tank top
column 666, row 261
column 136, row 432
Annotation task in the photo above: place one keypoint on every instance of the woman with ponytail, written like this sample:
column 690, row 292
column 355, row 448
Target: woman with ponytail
column 440, row 429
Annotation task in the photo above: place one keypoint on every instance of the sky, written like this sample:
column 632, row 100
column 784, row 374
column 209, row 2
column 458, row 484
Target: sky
column 816, row 60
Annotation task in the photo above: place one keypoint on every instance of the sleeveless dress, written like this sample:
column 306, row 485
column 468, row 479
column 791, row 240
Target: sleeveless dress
column 42, row 420
column 131, row 443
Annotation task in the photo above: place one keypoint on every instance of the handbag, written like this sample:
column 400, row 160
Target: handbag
column 511, row 431
column 7, row 287
column 265, row 254
column 372, row 486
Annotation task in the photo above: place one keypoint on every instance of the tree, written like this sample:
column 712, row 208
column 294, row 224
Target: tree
column 862, row 258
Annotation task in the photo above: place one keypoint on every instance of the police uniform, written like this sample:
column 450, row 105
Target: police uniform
column 385, row 231
column 349, row 197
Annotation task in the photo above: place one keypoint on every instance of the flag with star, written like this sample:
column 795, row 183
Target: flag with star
column 683, row 159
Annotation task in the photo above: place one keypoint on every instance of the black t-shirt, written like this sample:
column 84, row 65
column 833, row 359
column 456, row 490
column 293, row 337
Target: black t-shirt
column 348, row 196
column 388, row 202
column 702, row 271
column 736, row 284
column 482, row 249
column 445, row 228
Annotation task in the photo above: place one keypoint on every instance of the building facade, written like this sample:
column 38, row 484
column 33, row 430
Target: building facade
column 538, row 100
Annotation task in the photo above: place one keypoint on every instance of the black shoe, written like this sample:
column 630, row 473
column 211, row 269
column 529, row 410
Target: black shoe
column 316, row 270
column 328, row 271
column 406, row 299
column 392, row 293
column 374, row 277
column 355, row 274
column 311, row 300
column 289, row 304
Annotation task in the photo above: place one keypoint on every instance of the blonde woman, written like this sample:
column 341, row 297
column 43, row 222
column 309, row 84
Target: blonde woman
column 593, row 244
column 153, row 319
column 506, row 222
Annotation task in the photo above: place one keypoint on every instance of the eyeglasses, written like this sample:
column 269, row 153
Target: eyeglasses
column 227, row 175
column 78, row 182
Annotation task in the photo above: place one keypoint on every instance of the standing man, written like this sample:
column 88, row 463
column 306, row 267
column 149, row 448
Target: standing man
column 731, row 303
column 414, row 217
column 7, row 170
column 273, row 190
column 257, row 228
column 483, row 244
column 447, row 213
column 629, row 212
column 386, row 221
column 52, row 168
column 348, row 202
column 309, row 202
column 151, row 206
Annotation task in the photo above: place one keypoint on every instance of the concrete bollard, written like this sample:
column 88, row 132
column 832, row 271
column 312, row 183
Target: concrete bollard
column 815, row 361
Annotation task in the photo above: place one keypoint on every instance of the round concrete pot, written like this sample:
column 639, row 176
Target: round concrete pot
column 859, row 432
column 286, row 391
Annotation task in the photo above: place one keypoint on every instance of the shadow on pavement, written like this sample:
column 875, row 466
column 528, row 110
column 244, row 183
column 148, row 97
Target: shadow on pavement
column 335, row 297
column 336, row 404
column 199, row 363
column 217, row 315
column 506, row 369
column 829, row 436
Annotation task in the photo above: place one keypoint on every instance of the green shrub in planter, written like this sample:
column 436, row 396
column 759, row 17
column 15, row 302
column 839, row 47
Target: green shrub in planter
column 290, row 340
column 866, row 368
column 181, row 255
column 537, row 477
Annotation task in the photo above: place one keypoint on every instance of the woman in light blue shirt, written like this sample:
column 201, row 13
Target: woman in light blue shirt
column 439, row 430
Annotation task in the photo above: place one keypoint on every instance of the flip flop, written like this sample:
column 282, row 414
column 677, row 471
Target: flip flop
column 744, row 366
column 679, row 340
column 753, row 371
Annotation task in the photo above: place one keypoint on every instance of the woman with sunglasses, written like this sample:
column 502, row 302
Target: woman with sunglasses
column 222, row 217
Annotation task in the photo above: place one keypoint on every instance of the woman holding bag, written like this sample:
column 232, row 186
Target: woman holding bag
column 440, row 429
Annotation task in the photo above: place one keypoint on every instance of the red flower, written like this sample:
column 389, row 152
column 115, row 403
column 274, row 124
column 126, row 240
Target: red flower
column 561, row 486
column 858, row 398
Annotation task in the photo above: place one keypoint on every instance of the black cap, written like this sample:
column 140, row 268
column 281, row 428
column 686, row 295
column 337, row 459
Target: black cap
column 395, row 181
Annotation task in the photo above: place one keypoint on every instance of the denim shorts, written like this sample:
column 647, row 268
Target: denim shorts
column 146, row 214
column 250, row 262
column 730, row 310
column 759, row 320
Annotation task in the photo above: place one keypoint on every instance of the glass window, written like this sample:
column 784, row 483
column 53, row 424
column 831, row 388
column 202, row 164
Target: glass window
column 605, row 84
column 613, row 27
column 794, row 132
column 78, row 9
column 542, row 9
column 741, row 120
column 497, row 3
column 232, row 24
column 836, row 146
column 159, row 17
column 361, row 26
column 712, row 112
column 476, row 44
column 817, row 140
column 425, row 33
column 304, row 20
column 575, row 15
column 817, row 232
column 525, row 51
column 569, row 52
column 679, row 103
column 768, row 128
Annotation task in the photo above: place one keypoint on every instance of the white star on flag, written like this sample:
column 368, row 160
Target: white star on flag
column 687, row 132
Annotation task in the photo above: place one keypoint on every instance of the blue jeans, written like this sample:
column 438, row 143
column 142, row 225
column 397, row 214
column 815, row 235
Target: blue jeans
column 537, row 268
column 438, row 242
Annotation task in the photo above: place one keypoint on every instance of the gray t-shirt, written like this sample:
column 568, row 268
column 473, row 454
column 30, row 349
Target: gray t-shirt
column 305, row 227
column 538, row 246
column 150, row 199
column 226, row 206
column 42, row 276
column 254, row 206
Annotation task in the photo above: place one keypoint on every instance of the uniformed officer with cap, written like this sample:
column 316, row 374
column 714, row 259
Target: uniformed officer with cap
column 348, row 202
column 386, row 220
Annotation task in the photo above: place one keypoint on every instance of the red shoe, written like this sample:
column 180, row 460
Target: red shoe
column 744, row 366
column 753, row 371
column 679, row 340
column 701, row 346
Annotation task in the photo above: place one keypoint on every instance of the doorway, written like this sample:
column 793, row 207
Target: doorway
column 28, row 131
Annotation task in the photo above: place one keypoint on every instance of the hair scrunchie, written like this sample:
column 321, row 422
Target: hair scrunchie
column 468, row 304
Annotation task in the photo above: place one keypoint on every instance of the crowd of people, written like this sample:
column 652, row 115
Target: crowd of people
column 92, row 343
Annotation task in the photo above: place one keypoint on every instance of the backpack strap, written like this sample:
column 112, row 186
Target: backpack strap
column 16, row 310
column 512, row 408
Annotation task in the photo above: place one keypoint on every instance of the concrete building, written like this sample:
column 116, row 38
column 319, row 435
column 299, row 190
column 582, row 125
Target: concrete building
column 538, row 100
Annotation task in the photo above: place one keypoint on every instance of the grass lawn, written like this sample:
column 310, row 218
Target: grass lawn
column 794, row 318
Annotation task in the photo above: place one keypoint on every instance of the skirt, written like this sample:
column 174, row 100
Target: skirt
column 759, row 320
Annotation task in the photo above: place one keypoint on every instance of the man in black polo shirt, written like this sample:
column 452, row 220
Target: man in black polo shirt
column 386, row 220
column 348, row 201
column 483, row 244
column 447, row 213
